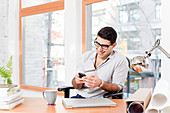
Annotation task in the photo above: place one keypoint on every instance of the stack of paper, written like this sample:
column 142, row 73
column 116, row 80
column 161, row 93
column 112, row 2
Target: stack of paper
column 10, row 96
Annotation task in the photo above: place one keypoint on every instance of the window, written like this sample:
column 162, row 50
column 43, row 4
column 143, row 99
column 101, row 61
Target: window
column 123, row 16
column 43, row 49
column 158, row 11
column 157, row 33
column 132, row 39
column 42, row 45
column 129, row 13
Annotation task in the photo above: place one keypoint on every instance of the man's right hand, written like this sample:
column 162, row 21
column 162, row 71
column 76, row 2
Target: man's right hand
column 79, row 80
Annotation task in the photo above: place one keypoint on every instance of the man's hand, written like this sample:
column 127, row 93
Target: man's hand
column 92, row 81
column 79, row 80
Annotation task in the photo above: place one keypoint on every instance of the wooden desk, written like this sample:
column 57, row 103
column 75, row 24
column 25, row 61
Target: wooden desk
column 39, row 105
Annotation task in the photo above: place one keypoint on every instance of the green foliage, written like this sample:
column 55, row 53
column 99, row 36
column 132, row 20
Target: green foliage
column 6, row 73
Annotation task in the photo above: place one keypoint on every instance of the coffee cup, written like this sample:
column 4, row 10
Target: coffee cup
column 50, row 96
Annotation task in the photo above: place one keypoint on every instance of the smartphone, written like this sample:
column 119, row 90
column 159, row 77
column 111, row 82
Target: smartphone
column 81, row 75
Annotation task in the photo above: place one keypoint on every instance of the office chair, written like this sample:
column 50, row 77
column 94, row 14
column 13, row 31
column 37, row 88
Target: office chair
column 113, row 95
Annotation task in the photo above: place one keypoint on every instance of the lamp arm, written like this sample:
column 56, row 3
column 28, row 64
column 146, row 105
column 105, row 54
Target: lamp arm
column 165, row 52
column 148, row 53
column 157, row 45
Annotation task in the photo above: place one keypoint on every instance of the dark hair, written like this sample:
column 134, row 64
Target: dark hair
column 108, row 33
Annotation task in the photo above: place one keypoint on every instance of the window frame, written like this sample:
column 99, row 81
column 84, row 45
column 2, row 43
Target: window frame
column 38, row 9
column 84, row 4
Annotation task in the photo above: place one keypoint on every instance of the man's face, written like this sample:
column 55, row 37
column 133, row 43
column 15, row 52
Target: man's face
column 103, row 47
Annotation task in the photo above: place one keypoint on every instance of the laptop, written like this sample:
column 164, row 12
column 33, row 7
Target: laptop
column 87, row 103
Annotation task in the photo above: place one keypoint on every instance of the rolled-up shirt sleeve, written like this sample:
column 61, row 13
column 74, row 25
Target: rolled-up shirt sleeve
column 120, row 72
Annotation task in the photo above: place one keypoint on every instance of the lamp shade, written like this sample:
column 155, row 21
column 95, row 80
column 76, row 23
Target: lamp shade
column 139, row 64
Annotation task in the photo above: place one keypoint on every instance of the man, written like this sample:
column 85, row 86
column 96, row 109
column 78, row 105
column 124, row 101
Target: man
column 106, row 69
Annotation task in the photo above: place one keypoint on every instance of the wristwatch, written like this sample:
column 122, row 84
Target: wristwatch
column 101, row 84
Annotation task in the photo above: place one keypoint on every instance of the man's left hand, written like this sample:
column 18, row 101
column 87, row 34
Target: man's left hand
column 92, row 81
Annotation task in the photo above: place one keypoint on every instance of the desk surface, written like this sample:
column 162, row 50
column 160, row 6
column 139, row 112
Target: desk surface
column 39, row 105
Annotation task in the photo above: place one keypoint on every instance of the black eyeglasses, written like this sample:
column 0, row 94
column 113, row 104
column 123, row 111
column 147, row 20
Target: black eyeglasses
column 103, row 46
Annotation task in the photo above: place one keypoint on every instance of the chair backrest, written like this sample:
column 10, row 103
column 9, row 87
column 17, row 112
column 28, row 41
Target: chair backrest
column 114, row 95
column 128, row 78
column 128, row 61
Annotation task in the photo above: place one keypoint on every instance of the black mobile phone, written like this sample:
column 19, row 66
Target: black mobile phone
column 81, row 75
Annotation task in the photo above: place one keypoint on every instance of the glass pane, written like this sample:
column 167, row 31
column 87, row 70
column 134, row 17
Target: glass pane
column 137, row 33
column 158, row 11
column 29, row 3
column 43, row 49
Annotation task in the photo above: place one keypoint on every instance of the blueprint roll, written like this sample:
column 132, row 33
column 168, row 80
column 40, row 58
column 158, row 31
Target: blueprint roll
column 135, row 107
column 152, row 110
column 160, row 95
column 159, row 98
column 166, row 109
column 138, row 102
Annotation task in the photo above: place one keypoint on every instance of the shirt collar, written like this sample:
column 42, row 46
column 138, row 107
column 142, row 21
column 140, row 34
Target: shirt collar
column 94, row 53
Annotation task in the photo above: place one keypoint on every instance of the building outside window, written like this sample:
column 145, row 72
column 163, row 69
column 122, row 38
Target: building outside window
column 158, row 11
column 123, row 15
column 129, row 13
column 132, row 38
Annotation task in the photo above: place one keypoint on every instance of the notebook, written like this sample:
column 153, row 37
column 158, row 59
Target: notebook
column 87, row 103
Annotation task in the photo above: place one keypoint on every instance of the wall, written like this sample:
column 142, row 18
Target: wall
column 9, row 35
column 73, row 37
column 13, row 33
column 165, row 42
column 4, row 11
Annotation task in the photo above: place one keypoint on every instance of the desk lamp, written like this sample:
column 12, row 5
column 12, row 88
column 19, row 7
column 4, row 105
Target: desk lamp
column 139, row 63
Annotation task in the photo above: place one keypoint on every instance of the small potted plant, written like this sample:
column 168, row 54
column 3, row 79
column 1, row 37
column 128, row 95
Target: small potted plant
column 6, row 72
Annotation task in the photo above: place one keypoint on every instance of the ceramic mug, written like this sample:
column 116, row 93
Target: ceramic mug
column 50, row 96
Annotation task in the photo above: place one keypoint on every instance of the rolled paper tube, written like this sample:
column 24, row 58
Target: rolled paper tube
column 160, row 97
column 159, row 100
column 166, row 109
column 152, row 110
column 160, row 94
column 135, row 107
